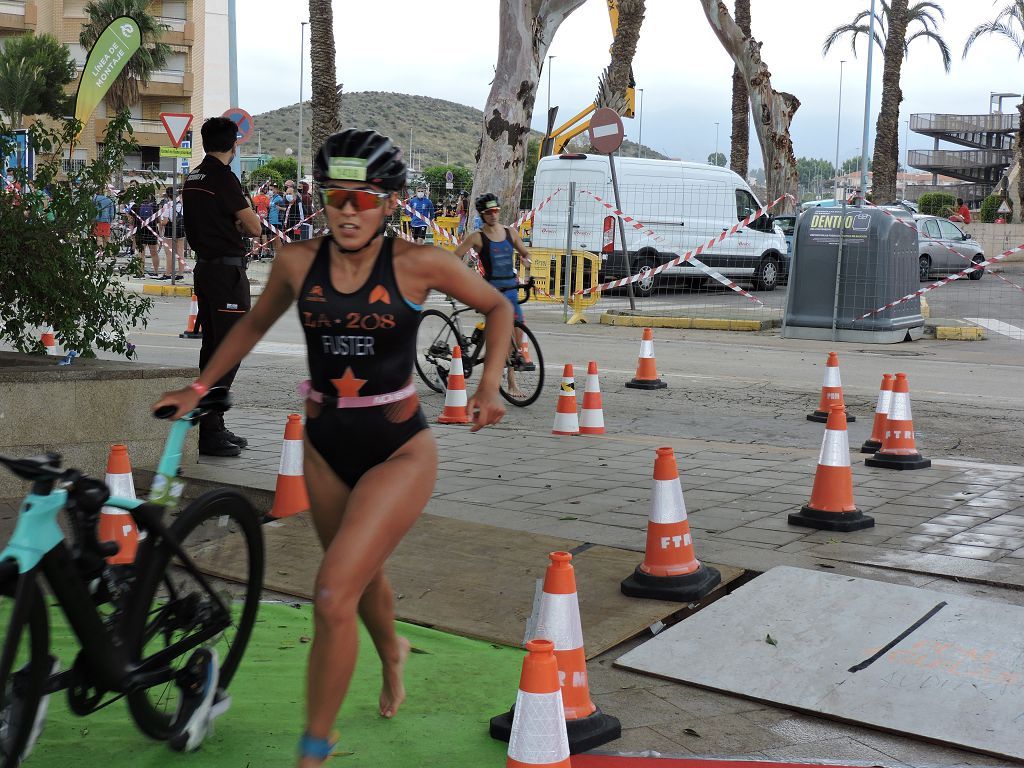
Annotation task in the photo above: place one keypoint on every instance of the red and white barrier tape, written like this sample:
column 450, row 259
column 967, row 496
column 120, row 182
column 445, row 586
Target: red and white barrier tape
column 414, row 215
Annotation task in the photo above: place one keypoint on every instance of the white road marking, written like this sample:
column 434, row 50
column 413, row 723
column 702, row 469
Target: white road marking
column 998, row 326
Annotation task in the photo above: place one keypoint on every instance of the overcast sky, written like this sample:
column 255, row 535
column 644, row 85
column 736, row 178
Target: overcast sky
column 417, row 48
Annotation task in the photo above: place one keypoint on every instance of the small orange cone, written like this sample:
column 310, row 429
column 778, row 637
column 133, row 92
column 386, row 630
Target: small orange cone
column 831, row 392
column 524, row 350
column 290, row 496
column 646, row 369
column 117, row 524
column 193, row 316
column 538, row 731
column 559, row 618
column 592, row 414
column 49, row 340
column 455, row 399
column 874, row 442
column 670, row 570
column 831, row 507
column 899, row 448
column 566, row 420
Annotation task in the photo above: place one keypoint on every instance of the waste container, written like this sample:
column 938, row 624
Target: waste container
column 875, row 258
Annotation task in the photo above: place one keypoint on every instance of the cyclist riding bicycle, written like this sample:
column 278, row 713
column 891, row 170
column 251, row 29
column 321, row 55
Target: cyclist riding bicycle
column 496, row 246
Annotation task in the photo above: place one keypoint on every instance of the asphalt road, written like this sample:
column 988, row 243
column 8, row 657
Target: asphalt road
column 967, row 397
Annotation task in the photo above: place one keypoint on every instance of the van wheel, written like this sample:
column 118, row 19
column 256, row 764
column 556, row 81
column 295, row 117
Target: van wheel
column 977, row 274
column 924, row 268
column 644, row 286
column 767, row 276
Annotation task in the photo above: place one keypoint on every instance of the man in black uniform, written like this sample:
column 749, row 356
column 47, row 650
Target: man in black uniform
column 216, row 217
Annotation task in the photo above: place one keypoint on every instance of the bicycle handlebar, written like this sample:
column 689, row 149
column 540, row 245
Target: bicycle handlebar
column 529, row 287
column 218, row 399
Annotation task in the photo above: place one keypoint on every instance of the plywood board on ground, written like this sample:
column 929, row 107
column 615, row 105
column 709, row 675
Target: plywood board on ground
column 943, row 667
column 591, row 760
column 475, row 580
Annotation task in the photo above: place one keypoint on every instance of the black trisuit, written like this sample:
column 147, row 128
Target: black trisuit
column 359, row 344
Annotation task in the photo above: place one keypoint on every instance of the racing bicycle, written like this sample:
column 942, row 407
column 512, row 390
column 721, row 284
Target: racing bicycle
column 140, row 627
column 439, row 333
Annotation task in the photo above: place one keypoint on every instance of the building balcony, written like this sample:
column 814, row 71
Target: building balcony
column 168, row 83
column 18, row 15
column 979, row 165
column 148, row 133
column 993, row 131
column 179, row 32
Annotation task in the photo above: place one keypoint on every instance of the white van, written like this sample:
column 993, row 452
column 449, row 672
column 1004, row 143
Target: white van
column 680, row 205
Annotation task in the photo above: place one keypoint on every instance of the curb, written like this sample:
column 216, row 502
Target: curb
column 160, row 289
column 696, row 323
column 946, row 329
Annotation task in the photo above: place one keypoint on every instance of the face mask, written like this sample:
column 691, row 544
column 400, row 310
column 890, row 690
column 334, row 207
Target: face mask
column 420, row 195
column 289, row 198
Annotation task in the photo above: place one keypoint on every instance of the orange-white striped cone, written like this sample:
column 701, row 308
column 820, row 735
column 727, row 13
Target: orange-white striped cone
column 524, row 350
column 455, row 399
column 874, row 442
column 831, row 507
column 670, row 570
column 290, row 496
column 899, row 448
column 559, row 620
column 538, row 730
column 117, row 525
column 49, row 340
column 566, row 420
column 646, row 369
column 831, row 392
column 592, row 413
column 193, row 316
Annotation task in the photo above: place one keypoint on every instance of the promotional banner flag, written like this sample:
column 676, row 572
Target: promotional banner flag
column 115, row 45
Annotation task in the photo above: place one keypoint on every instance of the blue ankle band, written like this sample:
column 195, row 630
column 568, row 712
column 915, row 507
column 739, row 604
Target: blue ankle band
column 318, row 749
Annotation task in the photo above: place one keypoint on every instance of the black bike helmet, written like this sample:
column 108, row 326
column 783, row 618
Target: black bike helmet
column 360, row 156
column 487, row 200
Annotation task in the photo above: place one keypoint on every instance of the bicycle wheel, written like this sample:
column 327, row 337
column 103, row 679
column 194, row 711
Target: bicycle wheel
column 23, row 678
column 221, row 534
column 436, row 337
column 527, row 370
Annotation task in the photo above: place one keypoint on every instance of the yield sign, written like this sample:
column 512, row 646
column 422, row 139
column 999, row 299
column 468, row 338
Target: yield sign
column 176, row 124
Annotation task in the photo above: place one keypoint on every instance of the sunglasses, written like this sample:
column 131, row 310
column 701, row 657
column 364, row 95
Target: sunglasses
column 361, row 199
column 491, row 210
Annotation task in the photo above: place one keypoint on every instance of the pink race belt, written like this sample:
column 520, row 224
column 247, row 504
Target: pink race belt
column 366, row 401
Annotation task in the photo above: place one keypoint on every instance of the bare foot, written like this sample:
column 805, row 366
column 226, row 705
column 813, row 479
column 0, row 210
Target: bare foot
column 392, row 692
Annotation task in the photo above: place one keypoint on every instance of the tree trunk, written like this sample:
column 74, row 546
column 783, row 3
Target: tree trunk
column 618, row 76
column 773, row 110
column 526, row 28
column 326, row 98
column 885, row 161
column 739, row 155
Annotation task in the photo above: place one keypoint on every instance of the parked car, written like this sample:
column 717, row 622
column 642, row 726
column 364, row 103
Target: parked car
column 788, row 226
column 937, row 236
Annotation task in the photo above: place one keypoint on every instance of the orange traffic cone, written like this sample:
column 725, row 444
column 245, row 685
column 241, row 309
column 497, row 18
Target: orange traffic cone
column 455, row 399
column 524, row 350
column 592, row 414
column 538, row 730
column 559, row 617
column 670, row 570
column 566, row 420
column 190, row 325
column 117, row 525
column 646, row 369
column 49, row 340
column 290, row 496
column 899, row 449
column 831, row 392
column 831, row 507
column 874, row 442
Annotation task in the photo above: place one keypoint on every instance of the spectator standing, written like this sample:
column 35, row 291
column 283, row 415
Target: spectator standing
column 147, row 224
column 261, row 202
column 105, row 209
column 291, row 214
column 462, row 211
column 423, row 212
column 216, row 217
column 277, row 207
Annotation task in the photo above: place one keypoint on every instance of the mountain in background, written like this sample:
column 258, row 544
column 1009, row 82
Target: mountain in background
column 442, row 132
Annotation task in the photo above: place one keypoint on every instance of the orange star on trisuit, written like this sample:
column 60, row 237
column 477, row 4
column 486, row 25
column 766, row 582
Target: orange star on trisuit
column 348, row 385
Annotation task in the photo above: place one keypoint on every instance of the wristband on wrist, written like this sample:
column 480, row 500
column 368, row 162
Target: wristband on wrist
column 202, row 389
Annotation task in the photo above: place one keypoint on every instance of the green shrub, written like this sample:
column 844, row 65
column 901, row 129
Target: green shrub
column 990, row 210
column 937, row 204
column 264, row 174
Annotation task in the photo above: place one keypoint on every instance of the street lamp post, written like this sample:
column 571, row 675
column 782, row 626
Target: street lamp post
column 302, row 50
column 716, row 143
column 550, row 57
column 640, row 138
column 839, row 123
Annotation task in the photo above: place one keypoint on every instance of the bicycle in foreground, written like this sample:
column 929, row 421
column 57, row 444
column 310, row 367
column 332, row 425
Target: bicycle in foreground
column 439, row 333
column 150, row 632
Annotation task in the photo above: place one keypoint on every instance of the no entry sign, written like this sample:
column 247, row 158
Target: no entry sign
column 606, row 131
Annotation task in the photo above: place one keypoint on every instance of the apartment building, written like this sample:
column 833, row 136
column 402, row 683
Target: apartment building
column 195, row 78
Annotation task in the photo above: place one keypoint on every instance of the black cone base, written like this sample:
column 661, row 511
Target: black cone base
column 821, row 417
column 681, row 589
column 646, row 384
column 190, row 335
column 898, row 461
column 871, row 446
column 831, row 521
column 584, row 734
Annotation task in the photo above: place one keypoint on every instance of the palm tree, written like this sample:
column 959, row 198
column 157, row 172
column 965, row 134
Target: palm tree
column 891, row 25
column 618, row 75
column 739, row 155
column 1008, row 24
column 326, row 100
column 150, row 57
